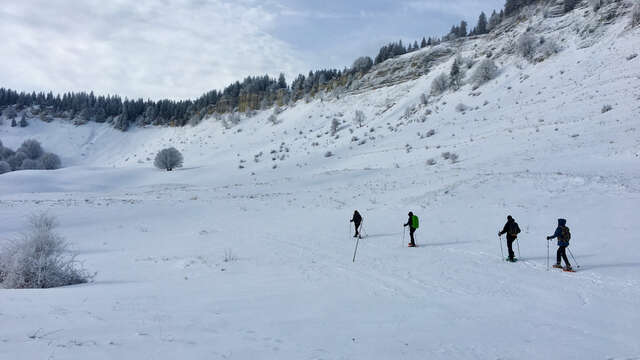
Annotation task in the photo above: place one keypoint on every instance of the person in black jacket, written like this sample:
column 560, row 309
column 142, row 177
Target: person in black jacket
column 512, row 230
column 356, row 220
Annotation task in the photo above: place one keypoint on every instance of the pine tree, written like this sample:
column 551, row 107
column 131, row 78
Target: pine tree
column 481, row 28
column 423, row 44
column 462, row 31
column 455, row 75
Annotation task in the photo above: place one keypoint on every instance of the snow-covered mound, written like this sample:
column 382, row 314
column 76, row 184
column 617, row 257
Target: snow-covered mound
column 245, row 252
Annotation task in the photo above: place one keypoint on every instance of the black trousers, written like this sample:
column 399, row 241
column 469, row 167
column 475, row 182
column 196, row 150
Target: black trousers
column 562, row 253
column 411, row 231
column 510, row 240
column 357, row 225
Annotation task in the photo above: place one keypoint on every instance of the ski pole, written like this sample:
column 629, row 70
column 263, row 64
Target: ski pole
column 574, row 259
column 518, row 242
column 356, row 249
column 547, row 254
column 501, row 251
column 404, row 231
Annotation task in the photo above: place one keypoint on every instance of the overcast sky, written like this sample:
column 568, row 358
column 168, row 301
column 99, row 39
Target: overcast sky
column 181, row 48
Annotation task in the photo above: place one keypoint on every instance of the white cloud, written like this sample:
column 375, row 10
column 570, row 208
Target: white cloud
column 157, row 49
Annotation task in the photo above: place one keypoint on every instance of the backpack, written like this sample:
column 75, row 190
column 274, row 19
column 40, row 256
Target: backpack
column 414, row 222
column 565, row 234
column 514, row 229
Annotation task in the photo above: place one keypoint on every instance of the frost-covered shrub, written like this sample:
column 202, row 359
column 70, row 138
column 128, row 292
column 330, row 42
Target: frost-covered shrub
column 527, row 44
column 50, row 161
column 328, row 154
column 359, row 118
column 635, row 14
column 595, row 4
column 606, row 108
column 16, row 160
column 440, row 84
column 487, row 70
column 273, row 119
column 30, row 164
column 461, row 107
column 362, row 64
column 4, row 167
column 548, row 47
column 456, row 74
column 39, row 259
column 168, row 159
column 23, row 122
column 431, row 162
column 335, row 123
column 31, row 148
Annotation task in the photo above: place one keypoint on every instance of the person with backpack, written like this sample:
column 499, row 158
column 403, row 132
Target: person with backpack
column 564, row 235
column 413, row 224
column 512, row 230
column 356, row 219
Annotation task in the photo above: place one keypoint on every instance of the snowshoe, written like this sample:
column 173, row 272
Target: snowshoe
column 568, row 269
column 511, row 259
column 557, row 266
column 412, row 245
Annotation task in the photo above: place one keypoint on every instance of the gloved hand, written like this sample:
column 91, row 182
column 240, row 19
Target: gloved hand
column 548, row 237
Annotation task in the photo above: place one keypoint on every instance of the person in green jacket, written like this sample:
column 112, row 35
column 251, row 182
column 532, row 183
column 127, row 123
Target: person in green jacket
column 412, row 223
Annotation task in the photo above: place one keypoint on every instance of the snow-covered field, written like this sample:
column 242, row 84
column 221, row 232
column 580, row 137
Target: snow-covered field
column 217, row 261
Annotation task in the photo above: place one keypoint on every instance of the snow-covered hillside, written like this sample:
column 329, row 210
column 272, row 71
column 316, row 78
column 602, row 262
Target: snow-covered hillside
column 245, row 252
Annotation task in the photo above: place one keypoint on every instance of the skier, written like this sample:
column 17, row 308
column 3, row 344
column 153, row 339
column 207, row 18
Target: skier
column 512, row 230
column 412, row 223
column 356, row 220
column 563, row 235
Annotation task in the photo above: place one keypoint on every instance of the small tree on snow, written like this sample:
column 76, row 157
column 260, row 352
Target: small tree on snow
column 440, row 84
column 4, row 167
column 23, row 121
column 635, row 14
column 456, row 73
column 527, row 45
column 39, row 259
column 30, row 164
column 487, row 70
column 168, row 159
column 31, row 148
column 359, row 118
column 50, row 161
column 335, row 124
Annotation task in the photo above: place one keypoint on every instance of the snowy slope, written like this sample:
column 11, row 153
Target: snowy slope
column 218, row 261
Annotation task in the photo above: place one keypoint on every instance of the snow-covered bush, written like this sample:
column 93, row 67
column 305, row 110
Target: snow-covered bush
column 527, row 44
column 362, row 64
column 606, row 108
column 328, row 154
column 595, row 4
column 30, row 164
column 168, row 159
column 16, row 160
column 456, row 74
column 431, row 162
column 359, row 118
column 5, row 153
column 440, row 84
column 461, row 107
column 31, row 148
column 487, row 70
column 335, row 123
column 23, row 122
column 50, row 161
column 39, row 259
column 548, row 47
column 635, row 14
column 273, row 119
column 4, row 167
